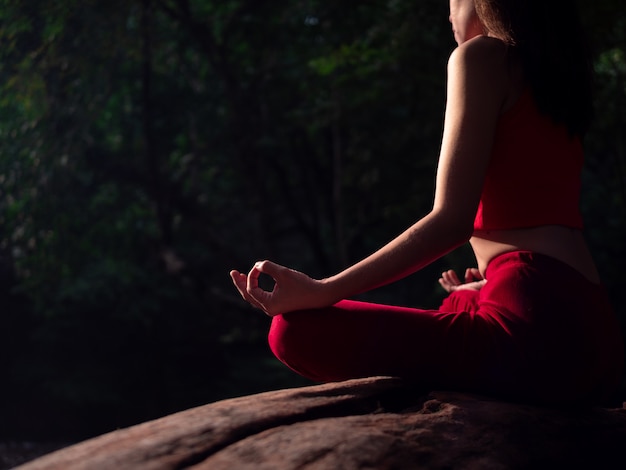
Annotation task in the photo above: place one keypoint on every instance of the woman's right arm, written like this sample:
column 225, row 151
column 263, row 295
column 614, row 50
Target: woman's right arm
column 477, row 85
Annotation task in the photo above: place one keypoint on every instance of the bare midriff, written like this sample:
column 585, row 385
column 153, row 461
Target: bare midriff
column 562, row 243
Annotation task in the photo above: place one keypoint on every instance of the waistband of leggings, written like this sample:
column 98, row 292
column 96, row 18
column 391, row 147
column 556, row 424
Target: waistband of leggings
column 544, row 263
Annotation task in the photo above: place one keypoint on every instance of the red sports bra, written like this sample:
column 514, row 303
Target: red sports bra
column 533, row 177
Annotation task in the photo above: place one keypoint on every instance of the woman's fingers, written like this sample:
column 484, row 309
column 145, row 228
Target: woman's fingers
column 268, row 301
column 472, row 280
column 472, row 274
column 476, row 285
column 271, row 269
column 262, row 267
column 239, row 280
column 241, row 283
column 451, row 278
column 292, row 290
column 445, row 285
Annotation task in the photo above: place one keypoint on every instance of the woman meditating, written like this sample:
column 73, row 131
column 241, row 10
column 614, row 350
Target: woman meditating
column 532, row 322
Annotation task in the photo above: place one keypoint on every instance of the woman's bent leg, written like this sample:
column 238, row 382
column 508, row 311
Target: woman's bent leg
column 537, row 331
column 356, row 339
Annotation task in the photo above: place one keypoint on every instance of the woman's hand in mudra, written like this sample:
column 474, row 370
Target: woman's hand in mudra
column 473, row 280
column 292, row 289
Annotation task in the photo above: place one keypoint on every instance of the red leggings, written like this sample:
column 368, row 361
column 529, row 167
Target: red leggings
column 537, row 331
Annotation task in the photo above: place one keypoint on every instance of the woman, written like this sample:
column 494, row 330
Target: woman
column 532, row 322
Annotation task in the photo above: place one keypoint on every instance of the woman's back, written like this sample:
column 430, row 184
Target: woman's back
column 556, row 238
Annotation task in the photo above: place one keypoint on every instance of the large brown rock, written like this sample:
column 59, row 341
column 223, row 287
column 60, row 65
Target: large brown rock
column 374, row 423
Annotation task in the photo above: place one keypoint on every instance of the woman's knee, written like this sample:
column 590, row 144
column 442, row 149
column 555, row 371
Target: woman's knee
column 295, row 341
column 278, row 337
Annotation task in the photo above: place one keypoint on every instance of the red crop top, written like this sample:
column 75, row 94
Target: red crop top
column 533, row 177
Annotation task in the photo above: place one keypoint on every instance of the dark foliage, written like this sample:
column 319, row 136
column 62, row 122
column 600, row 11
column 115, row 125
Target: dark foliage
column 149, row 146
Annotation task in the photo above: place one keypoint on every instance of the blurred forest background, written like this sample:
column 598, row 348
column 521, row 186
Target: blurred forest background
column 147, row 147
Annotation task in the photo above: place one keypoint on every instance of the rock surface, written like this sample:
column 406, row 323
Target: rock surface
column 374, row 423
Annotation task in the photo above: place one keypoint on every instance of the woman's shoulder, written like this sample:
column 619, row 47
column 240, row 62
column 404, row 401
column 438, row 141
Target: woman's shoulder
column 486, row 60
column 481, row 51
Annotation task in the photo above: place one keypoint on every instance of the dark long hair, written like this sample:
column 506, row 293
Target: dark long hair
column 550, row 41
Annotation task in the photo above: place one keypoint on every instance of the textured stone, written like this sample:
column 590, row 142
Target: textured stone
column 374, row 423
